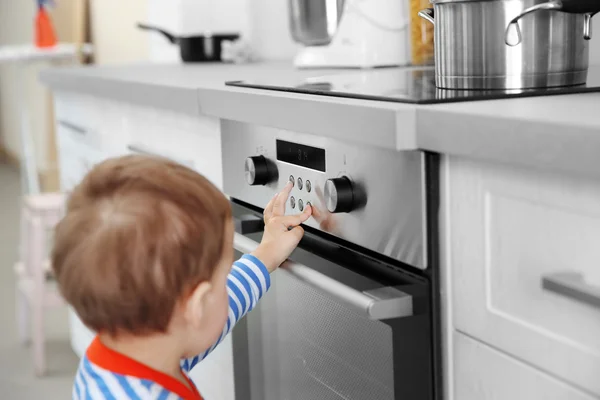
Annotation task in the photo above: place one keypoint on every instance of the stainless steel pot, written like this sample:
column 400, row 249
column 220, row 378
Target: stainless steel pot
column 315, row 22
column 511, row 44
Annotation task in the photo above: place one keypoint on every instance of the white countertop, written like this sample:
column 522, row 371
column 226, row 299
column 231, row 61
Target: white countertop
column 554, row 132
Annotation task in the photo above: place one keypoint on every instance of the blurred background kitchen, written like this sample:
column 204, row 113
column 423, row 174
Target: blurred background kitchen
column 110, row 27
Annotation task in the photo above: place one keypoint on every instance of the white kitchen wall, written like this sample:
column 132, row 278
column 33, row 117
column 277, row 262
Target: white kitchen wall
column 115, row 36
column 167, row 15
column 214, row 16
column 263, row 22
column 270, row 29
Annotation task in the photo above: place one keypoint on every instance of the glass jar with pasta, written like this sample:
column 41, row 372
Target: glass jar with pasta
column 421, row 34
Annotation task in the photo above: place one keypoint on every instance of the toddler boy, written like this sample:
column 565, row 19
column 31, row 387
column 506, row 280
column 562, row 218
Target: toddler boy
column 144, row 255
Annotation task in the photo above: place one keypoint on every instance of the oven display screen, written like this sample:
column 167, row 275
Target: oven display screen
column 302, row 155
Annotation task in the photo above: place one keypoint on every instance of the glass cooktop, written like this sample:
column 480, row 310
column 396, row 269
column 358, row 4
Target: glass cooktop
column 402, row 85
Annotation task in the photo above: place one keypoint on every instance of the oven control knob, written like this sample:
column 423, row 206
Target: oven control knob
column 257, row 171
column 339, row 195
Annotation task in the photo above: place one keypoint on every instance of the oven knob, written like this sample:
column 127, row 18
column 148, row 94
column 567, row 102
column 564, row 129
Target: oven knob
column 257, row 171
column 339, row 195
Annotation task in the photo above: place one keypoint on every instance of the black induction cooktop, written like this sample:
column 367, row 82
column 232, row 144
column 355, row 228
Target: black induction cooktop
column 402, row 85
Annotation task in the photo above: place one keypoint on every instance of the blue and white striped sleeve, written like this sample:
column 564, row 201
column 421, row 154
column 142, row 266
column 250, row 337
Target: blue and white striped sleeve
column 247, row 282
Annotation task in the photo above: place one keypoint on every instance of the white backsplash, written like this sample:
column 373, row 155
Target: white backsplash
column 167, row 15
column 270, row 32
column 200, row 16
column 263, row 22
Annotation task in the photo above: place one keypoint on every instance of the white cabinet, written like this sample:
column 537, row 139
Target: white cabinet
column 483, row 373
column 508, row 229
column 194, row 141
column 92, row 129
column 102, row 122
column 78, row 152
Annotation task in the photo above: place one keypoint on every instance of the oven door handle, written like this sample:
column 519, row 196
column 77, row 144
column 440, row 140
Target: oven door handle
column 378, row 304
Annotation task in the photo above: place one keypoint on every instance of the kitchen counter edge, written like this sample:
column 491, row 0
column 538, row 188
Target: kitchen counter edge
column 522, row 131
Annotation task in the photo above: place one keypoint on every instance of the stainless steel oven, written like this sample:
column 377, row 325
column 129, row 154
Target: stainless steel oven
column 353, row 313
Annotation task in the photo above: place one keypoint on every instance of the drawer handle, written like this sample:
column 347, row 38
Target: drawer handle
column 72, row 127
column 378, row 304
column 573, row 286
column 136, row 148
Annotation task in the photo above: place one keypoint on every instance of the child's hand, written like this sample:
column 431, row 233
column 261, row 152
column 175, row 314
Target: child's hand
column 282, row 233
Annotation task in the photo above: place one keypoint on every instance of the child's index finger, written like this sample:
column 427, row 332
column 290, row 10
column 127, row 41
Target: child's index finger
column 279, row 205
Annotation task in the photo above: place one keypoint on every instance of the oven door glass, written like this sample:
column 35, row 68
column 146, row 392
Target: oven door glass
column 302, row 343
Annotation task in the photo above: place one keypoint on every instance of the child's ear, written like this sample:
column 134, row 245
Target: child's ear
column 197, row 304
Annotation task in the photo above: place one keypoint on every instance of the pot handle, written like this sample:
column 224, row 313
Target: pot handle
column 172, row 38
column 513, row 37
column 427, row 14
column 587, row 26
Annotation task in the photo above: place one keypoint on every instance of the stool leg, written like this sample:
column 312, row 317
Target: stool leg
column 37, row 264
column 23, row 309
column 23, row 318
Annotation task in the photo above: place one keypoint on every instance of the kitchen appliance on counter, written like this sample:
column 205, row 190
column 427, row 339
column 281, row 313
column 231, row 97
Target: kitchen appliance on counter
column 404, row 85
column 350, row 33
column 198, row 48
column 511, row 44
column 353, row 314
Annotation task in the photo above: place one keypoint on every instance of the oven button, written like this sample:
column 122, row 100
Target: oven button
column 300, row 205
column 293, row 202
column 258, row 171
column 292, row 180
column 308, row 186
column 339, row 195
column 299, row 183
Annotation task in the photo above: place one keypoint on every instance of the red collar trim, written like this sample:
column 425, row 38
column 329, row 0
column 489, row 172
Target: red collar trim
column 118, row 363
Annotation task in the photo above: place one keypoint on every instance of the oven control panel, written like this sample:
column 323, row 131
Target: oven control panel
column 339, row 194
column 300, row 185
column 369, row 196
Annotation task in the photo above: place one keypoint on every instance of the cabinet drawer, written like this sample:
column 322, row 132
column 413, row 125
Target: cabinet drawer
column 482, row 373
column 516, row 233
column 193, row 141
column 76, row 158
column 77, row 108
column 78, row 132
column 97, row 121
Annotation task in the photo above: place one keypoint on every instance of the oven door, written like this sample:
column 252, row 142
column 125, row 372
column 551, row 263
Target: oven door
column 336, row 324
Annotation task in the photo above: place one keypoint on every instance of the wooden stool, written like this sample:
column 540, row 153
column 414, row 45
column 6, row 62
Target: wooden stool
column 35, row 289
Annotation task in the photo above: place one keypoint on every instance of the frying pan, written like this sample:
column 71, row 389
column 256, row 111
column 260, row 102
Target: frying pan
column 200, row 48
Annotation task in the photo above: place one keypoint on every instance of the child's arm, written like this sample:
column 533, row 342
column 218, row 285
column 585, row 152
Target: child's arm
column 247, row 282
column 249, row 278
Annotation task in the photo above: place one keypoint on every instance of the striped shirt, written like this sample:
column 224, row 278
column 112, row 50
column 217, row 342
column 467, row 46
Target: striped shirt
column 104, row 374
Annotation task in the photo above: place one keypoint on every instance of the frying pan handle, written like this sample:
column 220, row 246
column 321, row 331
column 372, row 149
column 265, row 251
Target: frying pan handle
column 172, row 38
